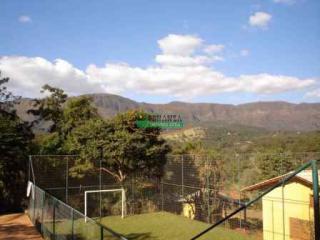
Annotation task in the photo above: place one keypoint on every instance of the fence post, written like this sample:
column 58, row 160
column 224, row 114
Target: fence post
column 101, row 233
column 34, row 204
column 100, row 181
column 42, row 208
column 29, row 170
column 54, row 220
column 133, row 210
column 67, row 178
column 315, row 181
column 162, row 200
column 239, row 190
column 282, row 198
column 72, row 224
column 208, row 186
column 283, row 212
column 32, row 171
column 272, row 211
column 182, row 176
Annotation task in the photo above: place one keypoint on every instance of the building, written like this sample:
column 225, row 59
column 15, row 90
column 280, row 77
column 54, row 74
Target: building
column 287, row 211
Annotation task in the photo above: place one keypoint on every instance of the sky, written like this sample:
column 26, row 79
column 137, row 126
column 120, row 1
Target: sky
column 221, row 51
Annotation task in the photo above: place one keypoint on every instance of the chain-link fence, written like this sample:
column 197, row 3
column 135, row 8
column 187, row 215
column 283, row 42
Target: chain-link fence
column 282, row 208
column 55, row 219
column 204, row 188
column 51, row 205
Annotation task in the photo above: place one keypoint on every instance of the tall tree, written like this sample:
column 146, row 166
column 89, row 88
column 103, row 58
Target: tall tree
column 274, row 164
column 64, row 115
column 76, row 112
column 15, row 140
column 7, row 98
column 128, row 149
column 50, row 107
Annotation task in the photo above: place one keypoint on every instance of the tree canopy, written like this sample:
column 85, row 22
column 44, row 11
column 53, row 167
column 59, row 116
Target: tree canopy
column 50, row 107
column 15, row 142
column 127, row 149
column 78, row 129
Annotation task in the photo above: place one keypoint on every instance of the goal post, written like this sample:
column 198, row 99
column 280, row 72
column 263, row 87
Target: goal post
column 123, row 199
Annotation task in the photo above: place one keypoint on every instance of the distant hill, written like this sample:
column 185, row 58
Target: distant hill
column 267, row 115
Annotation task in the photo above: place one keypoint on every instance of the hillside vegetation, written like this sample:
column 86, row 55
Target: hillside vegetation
column 272, row 116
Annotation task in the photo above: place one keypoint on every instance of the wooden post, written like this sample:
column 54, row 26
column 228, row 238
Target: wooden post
column 316, row 200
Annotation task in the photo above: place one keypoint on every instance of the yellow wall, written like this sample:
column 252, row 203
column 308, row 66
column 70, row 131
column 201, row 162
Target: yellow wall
column 277, row 213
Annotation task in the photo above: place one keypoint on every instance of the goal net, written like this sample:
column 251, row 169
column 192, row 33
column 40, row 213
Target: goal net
column 106, row 202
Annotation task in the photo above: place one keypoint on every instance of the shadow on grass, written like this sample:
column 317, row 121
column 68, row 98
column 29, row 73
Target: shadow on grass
column 140, row 236
column 250, row 224
column 131, row 236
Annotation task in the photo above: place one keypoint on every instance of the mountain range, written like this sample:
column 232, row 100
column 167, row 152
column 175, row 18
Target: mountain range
column 274, row 116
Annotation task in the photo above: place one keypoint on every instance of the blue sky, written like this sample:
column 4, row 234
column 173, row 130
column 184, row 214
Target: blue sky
column 274, row 44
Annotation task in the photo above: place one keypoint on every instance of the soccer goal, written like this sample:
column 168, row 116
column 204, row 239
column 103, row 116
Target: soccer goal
column 120, row 190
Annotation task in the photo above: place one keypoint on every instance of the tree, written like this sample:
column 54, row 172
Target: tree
column 7, row 99
column 275, row 164
column 48, row 143
column 50, row 107
column 128, row 150
column 15, row 141
column 85, row 141
column 64, row 115
column 77, row 112
column 190, row 147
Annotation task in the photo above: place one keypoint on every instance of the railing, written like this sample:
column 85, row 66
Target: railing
column 187, row 180
column 56, row 220
column 282, row 182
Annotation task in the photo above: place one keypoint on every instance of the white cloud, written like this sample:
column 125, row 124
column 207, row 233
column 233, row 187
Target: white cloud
column 214, row 48
column 313, row 94
column 24, row 19
column 183, row 45
column 244, row 52
column 260, row 19
column 174, row 60
column 28, row 75
column 269, row 84
column 285, row 1
column 182, row 74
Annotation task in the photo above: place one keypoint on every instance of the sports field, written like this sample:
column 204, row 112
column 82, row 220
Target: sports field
column 154, row 226
column 166, row 226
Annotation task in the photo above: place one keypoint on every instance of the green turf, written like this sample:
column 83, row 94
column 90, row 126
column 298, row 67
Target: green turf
column 166, row 226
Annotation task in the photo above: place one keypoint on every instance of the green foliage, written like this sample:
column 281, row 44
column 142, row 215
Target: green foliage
column 49, row 143
column 249, row 155
column 76, row 112
column 50, row 107
column 196, row 147
column 272, row 165
column 85, row 140
column 15, row 138
column 78, row 129
column 288, row 141
column 66, row 117
column 127, row 149
column 7, row 99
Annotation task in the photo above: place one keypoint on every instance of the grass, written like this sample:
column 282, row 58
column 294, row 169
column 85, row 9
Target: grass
column 166, row 226
column 153, row 226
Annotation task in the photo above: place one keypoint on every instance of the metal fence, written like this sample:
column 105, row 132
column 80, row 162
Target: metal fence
column 290, row 206
column 203, row 188
column 56, row 220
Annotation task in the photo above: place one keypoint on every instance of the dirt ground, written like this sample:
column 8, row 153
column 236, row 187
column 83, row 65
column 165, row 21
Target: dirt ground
column 17, row 226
